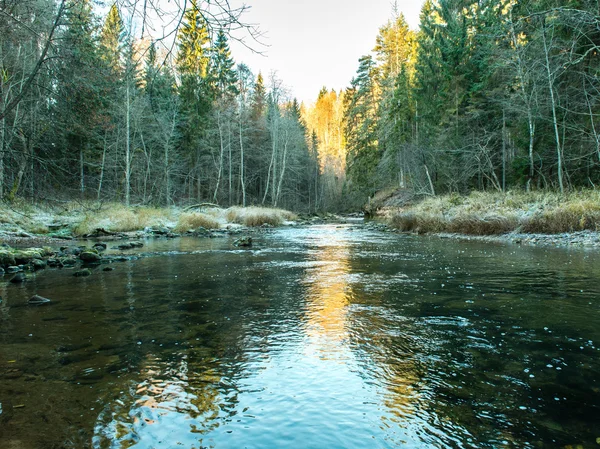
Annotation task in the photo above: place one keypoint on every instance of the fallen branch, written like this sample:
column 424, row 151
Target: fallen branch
column 202, row 205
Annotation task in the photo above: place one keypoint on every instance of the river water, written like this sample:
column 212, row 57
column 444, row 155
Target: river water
column 328, row 336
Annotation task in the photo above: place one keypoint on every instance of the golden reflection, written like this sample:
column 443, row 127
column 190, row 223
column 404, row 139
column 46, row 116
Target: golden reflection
column 328, row 289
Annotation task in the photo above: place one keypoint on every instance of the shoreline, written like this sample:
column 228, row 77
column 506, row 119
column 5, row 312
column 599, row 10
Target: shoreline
column 579, row 239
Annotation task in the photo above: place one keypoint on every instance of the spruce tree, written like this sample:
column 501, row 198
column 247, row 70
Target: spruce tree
column 223, row 76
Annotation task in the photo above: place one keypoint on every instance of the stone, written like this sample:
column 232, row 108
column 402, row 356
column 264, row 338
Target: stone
column 27, row 255
column 107, row 269
column 68, row 261
column 13, row 269
column 54, row 262
column 136, row 244
column 7, row 258
column 124, row 246
column 89, row 256
column 100, row 246
column 18, row 278
column 82, row 273
column 243, row 242
column 37, row 300
column 38, row 264
column 1, row 271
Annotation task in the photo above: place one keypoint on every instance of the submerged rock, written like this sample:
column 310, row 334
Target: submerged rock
column 37, row 300
column 136, row 244
column 18, row 278
column 83, row 273
column 68, row 261
column 107, row 269
column 38, row 264
column 100, row 246
column 243, row 242
column 90, row 256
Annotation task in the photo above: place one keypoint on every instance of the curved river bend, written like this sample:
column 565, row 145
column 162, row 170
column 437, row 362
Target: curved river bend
column 329, row 336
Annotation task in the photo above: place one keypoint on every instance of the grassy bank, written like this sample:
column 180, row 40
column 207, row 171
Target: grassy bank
column 483, row 213
column 79, row 219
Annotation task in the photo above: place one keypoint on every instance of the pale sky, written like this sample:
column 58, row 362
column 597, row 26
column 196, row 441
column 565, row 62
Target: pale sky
column 316, row 43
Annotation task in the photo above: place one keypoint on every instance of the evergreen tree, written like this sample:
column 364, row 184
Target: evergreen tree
column 112, row 38
column 360, row 119
column 79, row 104
column 194, row 90
column 223, row 75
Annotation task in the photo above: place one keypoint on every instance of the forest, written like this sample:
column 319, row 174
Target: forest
column 484, row 95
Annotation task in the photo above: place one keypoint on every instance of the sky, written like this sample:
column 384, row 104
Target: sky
column 316, row 43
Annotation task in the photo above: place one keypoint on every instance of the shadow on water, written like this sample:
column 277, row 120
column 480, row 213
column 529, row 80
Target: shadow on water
column 328, row 336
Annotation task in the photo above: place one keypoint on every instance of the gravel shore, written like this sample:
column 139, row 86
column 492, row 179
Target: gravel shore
column 583, row 239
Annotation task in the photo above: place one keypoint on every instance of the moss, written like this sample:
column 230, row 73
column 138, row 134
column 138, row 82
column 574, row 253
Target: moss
column 7, row 258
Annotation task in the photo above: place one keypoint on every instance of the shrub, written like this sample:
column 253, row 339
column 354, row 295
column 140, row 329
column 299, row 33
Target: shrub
column 119, row 218
column 195, row 220
column 258, row 216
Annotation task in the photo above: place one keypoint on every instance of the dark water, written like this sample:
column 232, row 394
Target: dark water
column 323, row 337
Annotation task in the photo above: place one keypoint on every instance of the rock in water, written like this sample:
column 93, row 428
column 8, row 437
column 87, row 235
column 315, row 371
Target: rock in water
column 89, row 256
column 82, row 273
column 6, row 258
column 37, row 300
column 136, row 244
column 38, row 264
column 100, row 246
column 107, row 269
column 18, row 278
column 243, row 242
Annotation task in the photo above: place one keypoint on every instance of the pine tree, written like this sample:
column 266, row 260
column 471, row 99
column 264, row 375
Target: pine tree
column 79, row 104
column 112, row 38
column 360, row 119
column 194, row 91
column 223, row 76
column 193, row 42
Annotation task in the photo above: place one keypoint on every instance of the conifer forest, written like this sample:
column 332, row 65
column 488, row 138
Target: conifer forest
column 95, row 103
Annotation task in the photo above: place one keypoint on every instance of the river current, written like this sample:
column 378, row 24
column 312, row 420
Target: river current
column 329, row 336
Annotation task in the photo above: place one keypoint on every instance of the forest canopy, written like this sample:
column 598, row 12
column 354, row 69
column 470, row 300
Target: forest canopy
column 106, row 104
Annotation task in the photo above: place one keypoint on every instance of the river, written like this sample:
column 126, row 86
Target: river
column 329, row 336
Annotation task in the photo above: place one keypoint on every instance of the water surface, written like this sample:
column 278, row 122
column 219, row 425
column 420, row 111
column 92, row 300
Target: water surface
column 323, row 337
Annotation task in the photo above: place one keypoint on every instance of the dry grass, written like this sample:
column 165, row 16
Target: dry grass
column 258, row 216
column 118, row 218
column 484, row 213
column 82, row 218
column 194, row 220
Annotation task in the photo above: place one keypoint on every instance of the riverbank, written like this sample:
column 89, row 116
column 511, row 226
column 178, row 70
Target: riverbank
column 572, row 219
column 47, row 224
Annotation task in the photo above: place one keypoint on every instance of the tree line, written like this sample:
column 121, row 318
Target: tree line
column 485, row 95
column 92, row 111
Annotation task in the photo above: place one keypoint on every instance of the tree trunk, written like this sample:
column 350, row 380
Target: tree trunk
column 230, row 163
column 81, row 174
column 127, row 149
column 283, row 165
column 222, row 153
column 554, row 118
column 102, row 167
column 242, row 182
